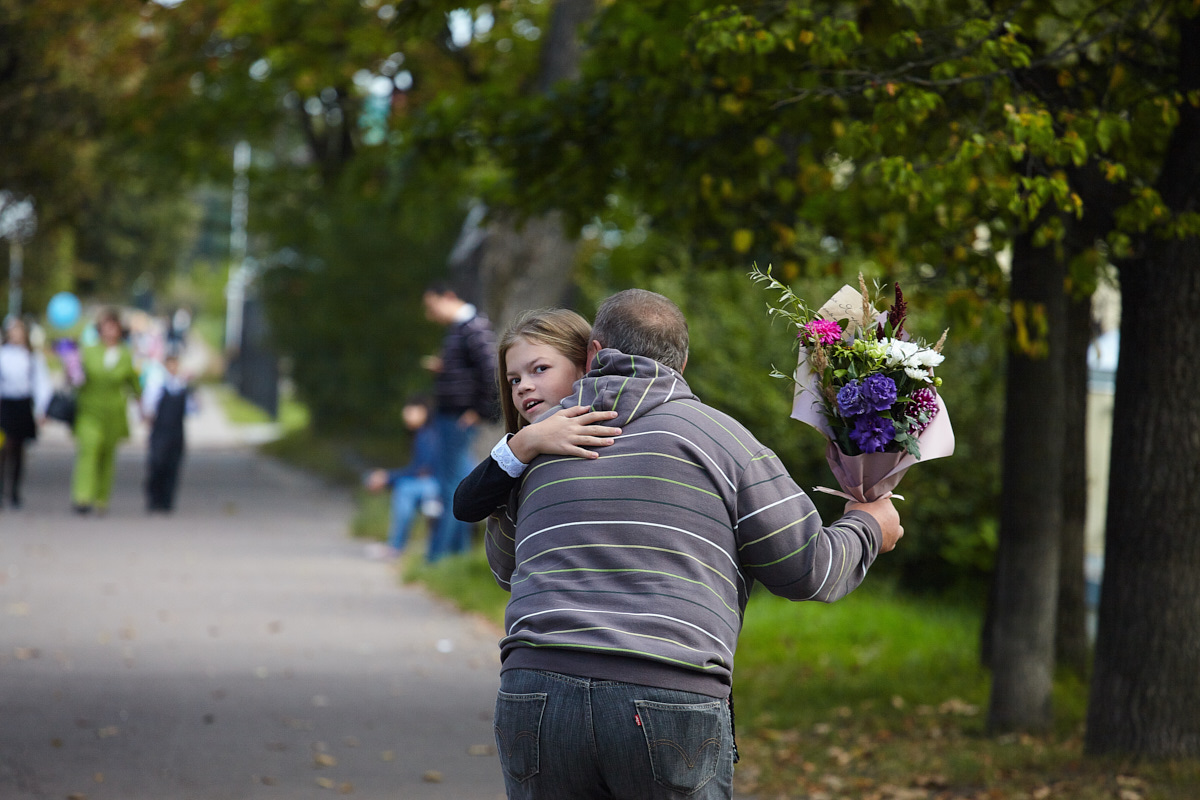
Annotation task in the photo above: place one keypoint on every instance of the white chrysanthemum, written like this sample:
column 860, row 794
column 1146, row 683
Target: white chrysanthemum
column 918, row 374
column 899, row 352
column 926, row 357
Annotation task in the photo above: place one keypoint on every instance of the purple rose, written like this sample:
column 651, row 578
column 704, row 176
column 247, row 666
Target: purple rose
column 878, row 392
column 872, row 434
column 850, row 401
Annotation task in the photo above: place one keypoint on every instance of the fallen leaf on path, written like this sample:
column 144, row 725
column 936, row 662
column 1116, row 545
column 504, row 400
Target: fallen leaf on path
column 481, row 750
column 19, row 609
column 108, row 731
column 840, row 755
column 956, row 706
column 432, row 776
column 388, row 755
column 324, row 760
column 98, row 777
column 27, row 653
column 346, row 788
column 325, row 783
column 267, row 780
column 350, row 741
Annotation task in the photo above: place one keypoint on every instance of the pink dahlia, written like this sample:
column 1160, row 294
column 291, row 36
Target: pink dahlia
column 822, row 331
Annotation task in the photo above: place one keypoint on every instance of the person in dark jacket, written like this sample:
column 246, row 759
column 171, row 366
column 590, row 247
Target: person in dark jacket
column 166, row 402
column 414, row 486
column 629, row 576
column 464, row 396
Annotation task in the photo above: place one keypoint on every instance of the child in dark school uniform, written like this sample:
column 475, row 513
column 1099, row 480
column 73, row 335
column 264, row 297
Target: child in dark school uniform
column 166, row 401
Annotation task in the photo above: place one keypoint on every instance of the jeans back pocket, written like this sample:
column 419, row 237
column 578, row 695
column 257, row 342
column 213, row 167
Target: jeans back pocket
column 685, row 741
column 518, row 730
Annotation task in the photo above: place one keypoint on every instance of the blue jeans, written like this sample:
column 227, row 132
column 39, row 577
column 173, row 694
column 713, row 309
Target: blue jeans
column 408, row 495
column 562, row 737
column 454, row 463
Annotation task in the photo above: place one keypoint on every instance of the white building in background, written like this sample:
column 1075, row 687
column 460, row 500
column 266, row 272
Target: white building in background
column 1102, row 378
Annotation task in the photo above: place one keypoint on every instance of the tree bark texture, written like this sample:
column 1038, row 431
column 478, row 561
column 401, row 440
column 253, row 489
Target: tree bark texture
column 525, row 266
column 1145, row 693
column 1025, row 594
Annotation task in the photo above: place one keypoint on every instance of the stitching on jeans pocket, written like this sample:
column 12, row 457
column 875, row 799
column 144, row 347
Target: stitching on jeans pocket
column 518, row 731
column 684, row 742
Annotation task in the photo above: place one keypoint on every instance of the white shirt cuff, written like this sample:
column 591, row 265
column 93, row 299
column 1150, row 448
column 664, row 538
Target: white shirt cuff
column 508, row 462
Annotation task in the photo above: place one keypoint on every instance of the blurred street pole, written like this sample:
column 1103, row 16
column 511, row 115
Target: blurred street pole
column 18, row 222
column 235, row 287
column 15, row 269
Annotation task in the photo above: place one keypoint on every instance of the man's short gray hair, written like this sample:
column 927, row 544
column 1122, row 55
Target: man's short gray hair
column 642, row 323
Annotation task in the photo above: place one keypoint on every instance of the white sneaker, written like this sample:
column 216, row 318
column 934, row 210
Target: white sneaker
column 378, row 551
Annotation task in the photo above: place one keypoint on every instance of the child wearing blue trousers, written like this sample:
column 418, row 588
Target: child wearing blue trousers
column 414, row 486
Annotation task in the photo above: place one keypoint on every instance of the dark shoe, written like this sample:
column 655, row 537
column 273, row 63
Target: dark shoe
column 82, row 510
column 16, row 502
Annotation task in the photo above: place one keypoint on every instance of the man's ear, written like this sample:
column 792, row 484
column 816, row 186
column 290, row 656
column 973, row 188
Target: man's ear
column 681, row 369
column 593, row 349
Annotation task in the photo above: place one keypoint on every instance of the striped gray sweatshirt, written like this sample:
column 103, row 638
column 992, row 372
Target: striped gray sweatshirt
column 636, row 566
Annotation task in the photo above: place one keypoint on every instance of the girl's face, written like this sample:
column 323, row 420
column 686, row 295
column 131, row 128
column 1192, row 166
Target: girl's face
column 538, row 377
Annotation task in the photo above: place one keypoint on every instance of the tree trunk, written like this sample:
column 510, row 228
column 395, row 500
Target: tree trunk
column 1025, row 593
column 1145, row 696
column 525, row 266
column 1070, row 636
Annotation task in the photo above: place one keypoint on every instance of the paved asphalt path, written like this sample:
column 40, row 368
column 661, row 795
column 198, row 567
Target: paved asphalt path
column 242, row 647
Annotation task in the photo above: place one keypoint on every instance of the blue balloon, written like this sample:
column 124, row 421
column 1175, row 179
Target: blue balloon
column 63, row 310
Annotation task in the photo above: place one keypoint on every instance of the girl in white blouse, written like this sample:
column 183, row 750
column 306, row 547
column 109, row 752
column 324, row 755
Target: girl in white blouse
column 24, row 392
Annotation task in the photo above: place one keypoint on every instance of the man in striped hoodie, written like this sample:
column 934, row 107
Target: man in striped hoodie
column 630, row 573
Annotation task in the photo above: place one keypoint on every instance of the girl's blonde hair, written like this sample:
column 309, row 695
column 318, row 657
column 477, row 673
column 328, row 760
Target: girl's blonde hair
column 560, row 328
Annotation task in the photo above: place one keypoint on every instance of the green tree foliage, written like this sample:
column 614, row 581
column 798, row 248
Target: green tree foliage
column 344, row 295
column 346, row 224
column 106, row 213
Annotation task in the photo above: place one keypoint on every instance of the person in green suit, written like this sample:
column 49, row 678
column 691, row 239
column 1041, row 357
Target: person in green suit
column 101, row 420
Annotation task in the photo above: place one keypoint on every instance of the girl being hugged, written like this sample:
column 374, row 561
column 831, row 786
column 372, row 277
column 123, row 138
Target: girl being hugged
column 540, row 356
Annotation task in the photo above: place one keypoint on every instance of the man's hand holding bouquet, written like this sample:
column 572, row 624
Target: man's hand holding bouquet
column 867, row 386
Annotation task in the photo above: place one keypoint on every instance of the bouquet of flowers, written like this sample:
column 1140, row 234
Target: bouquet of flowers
column 865, row 384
